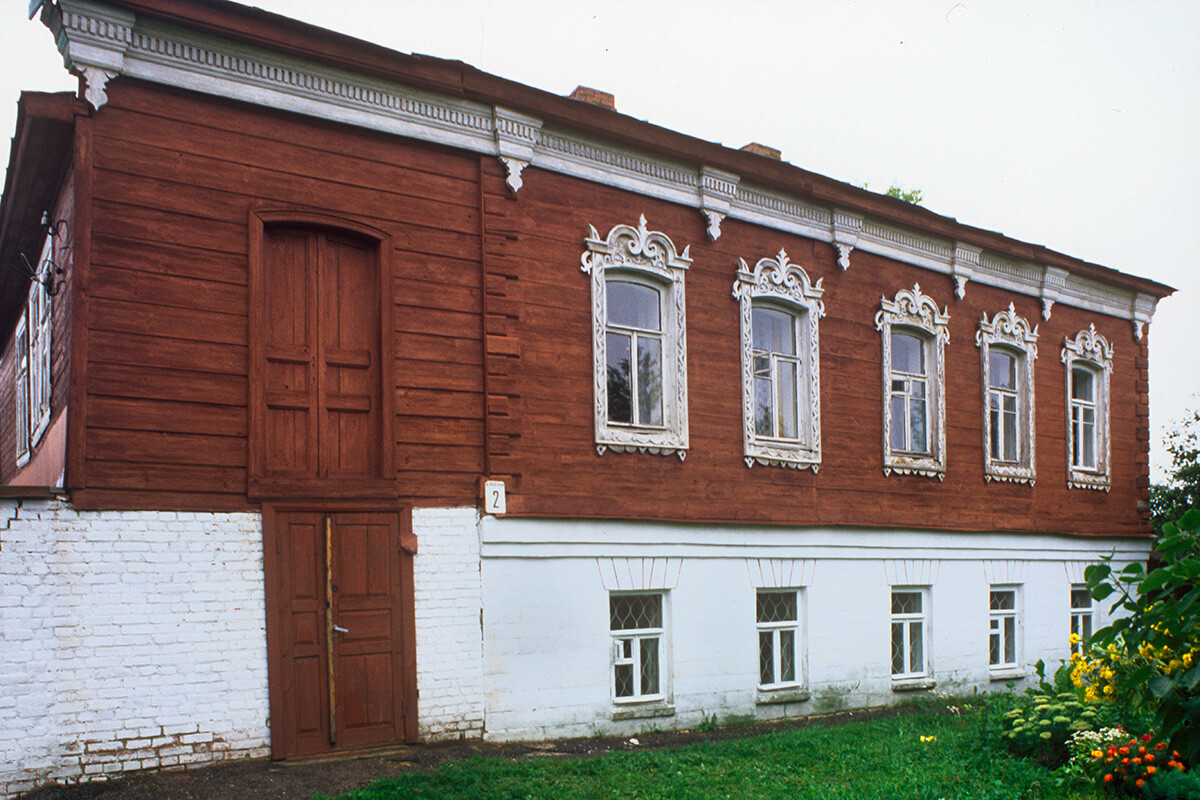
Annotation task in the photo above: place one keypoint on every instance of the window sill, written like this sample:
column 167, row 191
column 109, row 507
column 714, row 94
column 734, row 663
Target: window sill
column 768, row 697
column 1006, row 674
column 912, row 684
column 643, row 711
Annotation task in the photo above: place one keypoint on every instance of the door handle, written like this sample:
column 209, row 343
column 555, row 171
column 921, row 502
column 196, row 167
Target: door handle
column 339, row 629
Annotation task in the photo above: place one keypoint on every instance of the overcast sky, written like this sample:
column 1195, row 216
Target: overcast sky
column 1074, row 125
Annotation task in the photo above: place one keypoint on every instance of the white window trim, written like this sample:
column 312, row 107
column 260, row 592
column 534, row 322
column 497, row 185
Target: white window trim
column 651, row 256
column 1091, row 350
column 799, row 652
column 1010, row 331
column 915, row 311
column 21, row 415
column 923, row 677
column 786, row 284
column 1003, row 668
column 637, row 634
column 40, row 328
column 1077, row 615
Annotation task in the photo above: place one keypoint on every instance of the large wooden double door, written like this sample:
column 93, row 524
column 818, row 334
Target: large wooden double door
column 340, row 631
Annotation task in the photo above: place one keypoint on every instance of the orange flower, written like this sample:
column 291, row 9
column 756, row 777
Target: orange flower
column 1139, row 783
column 1150, row 756
column 1108, row 778
column 1137, row 761
column 1145, row 737
column 1124, row 760
column 1150, row 770
column 1122, row 750
column 1160, row 746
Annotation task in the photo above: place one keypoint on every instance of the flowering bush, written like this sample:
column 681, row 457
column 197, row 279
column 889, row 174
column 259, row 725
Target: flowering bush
column 1120, row 762
column 1041, row 725
column 1148, row 660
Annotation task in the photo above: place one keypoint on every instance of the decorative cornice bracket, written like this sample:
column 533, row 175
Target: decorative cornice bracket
column 844, row 232
column 1054, row 284
column 93, row 40
column 966, row 261
column 1142, row 310
column 717, row 191
column 517, row 137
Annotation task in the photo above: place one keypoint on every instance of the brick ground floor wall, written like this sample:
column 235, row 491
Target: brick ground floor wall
column 128, row 641
column 550, row 655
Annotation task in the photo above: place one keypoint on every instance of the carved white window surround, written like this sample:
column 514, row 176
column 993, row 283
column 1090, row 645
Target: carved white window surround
column 914, row 312
column 779, row 283
column 1091, row 351
column 644, row 256
column 1009, row 332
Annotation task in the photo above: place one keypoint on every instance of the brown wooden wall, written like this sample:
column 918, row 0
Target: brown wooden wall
column 492, row 340
column 555, row 468
column 175, row 177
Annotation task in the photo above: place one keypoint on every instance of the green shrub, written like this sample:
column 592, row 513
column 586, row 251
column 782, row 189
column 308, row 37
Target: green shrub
column 1039, row 725
column 1172, row 786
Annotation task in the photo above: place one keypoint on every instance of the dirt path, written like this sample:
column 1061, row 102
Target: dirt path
column 297, row 780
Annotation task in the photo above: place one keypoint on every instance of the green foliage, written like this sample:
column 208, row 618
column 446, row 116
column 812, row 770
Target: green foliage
column 1172, row 786
column 1169, row 501
column 913, row 756
column 1040, row 725
column 1148, row 661
column 907, row 195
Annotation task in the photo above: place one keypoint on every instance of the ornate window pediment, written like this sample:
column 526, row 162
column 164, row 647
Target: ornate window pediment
column 1088, row 361
column 639, row 347
column 781, row 389
column 1007, row 349
column 915, row 333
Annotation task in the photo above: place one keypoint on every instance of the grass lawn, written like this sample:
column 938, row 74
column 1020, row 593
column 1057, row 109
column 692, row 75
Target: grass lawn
column 870, row 760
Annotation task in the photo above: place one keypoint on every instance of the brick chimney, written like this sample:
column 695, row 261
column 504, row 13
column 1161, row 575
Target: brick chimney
column 763, row 150
column 595, row 97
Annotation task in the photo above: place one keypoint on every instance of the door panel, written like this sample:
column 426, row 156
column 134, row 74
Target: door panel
column 363, row 673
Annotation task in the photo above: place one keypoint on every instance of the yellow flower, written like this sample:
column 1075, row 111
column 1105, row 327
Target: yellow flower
column 928, row 739
column 1074, row 638
column 1108, row 689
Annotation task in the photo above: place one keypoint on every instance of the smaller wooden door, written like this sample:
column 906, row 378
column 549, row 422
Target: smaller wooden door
column 340, row 632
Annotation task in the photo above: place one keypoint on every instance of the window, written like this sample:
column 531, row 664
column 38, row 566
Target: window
column 914, row 334
column 1008, row 348
column 778, row 622
column 1002, row 635
column 910, row 631
column 1088, row 362
column 639, row 349
column 1081, row 617
column 781, row 407
column 33, row 367
column 636, row 623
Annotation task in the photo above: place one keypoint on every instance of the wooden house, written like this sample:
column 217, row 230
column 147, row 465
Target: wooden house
column 351, row 397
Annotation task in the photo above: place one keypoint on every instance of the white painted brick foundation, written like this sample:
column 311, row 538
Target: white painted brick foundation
column 449, row 638
column 128, row 641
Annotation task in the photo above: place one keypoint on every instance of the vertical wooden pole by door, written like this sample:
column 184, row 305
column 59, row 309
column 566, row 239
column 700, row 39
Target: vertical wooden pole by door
column 329, row 626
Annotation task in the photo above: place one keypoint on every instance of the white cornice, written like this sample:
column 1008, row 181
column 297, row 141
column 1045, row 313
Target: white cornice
column 101, row 43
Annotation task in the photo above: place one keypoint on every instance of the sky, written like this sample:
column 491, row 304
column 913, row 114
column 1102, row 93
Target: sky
column 1074, row 125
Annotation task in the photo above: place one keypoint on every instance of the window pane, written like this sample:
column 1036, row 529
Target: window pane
column 776, row 606
column 908, row 354
column 1087, row 435
column 787, row 656
column 788, row 423
column 916, row 420
column 916, row 650
column 906, row 602
column 898, row 424
column 994, row 648
column 766, row 657
column 994, row 427
column 620, row 379
column 624, row 676
column 1082, row 384
column 764, row 397
column 1002, row 369
column 1010, row 640
column 649, row 381
column 649, row 665
column 1081, row 598
column 897, row 648
column 1085, row 621
column 1003, row 600
column 633, row 305
column 1010, row 428
column 773, row 330
column 635, row 611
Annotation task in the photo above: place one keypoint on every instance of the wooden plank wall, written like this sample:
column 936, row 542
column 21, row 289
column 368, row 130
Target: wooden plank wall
column 175, row 177
column 493, row 344
column 558, row 472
